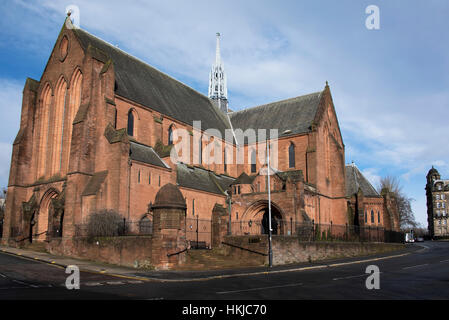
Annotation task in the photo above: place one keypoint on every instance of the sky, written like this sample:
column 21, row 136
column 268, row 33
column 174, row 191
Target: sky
column 389, row 86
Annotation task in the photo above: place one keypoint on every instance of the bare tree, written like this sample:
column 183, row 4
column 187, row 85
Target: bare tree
column 406, row 215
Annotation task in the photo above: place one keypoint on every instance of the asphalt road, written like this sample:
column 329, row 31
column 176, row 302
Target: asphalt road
column 418, row 274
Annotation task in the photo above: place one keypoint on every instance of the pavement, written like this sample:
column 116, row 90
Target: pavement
column 197, row 275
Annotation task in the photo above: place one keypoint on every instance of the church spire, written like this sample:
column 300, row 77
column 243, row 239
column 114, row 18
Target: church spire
column 218, row 90
column 217, row 51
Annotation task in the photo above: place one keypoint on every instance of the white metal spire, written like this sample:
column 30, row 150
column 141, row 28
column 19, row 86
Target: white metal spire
column 217, row 51
column 218, row 90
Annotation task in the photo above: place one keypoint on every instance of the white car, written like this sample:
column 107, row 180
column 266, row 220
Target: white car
column 409, row 237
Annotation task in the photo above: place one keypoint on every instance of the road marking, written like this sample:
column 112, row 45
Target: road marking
column 115, row 282
column 368, row 260
column 24, row 283
column 2, row 275
column 350, row 277
column 447, row 260
column 92, row 284
column 261, row 288
column 135, row 281
column 419, row 265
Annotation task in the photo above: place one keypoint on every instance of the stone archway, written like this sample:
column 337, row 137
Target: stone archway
column 258, row 214
column 44, row 219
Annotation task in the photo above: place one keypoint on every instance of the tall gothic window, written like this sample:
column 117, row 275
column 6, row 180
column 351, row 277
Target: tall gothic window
column 130, row 123
column 200, row 151
column 291, row 156
column 372, row 216
column 58, row 125
column 225, row 164
column 170, row 135
column 74, row 104
column 253, row 162
column 44, row 130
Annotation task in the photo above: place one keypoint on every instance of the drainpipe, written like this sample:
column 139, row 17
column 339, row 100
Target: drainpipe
column 230, row 210
column 129, row 187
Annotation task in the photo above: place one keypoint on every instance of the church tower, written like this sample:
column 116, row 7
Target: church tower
column 218, row 91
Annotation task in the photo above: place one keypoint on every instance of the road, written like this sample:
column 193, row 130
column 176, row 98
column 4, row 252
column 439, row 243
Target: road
column 418, row 274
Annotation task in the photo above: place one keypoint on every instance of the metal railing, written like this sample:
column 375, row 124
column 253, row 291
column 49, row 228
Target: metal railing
column 309, row 231
column 199, row 232
column 121, row 228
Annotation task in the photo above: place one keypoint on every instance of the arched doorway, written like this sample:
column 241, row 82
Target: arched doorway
column 276, row 221
column 44, row 219
column 258, row 214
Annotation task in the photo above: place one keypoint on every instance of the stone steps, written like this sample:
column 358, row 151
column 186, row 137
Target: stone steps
column 36, row 246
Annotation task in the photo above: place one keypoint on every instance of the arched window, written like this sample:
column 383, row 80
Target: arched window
column 170, row 135
column 378, row 217
column 253, row 162
column 225, row 161
column 74, row 104
column 200, row 151
column 291, row 156
column 58, row 125
column 372, row 216
column 145, row 226
column 44, row 131
column 130, row 123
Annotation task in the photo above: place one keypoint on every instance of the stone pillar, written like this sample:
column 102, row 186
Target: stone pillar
column 169, row 228
column 220, row 217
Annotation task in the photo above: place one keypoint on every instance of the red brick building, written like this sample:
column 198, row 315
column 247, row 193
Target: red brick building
column 96, row 133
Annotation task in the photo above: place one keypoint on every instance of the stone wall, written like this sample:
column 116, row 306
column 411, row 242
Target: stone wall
column 288, row 249
column 124, row 251
column 247, row 248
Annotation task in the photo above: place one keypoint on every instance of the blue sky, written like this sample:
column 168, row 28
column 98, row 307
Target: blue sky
column 390, row 86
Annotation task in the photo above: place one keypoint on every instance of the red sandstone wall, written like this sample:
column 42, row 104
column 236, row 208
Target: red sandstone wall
column 288, row 250
column 204, row 202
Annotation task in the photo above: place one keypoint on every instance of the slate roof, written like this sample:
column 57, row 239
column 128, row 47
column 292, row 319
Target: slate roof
column 145, row 154
column 295, row 175
column 94, row 183
column 202, row 179
column 244, row 179
column 295, row 114
column 356, row 180
column 139, row 82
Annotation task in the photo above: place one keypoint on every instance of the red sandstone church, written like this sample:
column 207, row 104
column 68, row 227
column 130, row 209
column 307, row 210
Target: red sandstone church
column 96, row 133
